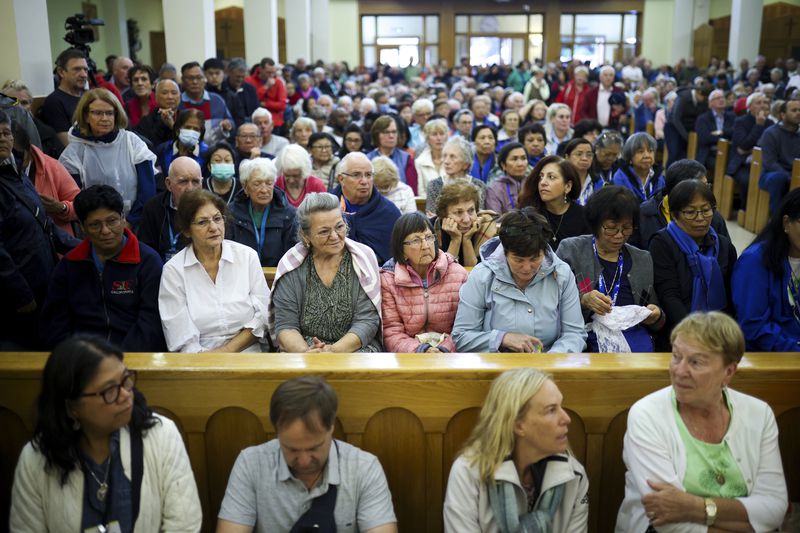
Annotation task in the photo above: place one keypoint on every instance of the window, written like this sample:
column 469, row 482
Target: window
column 599, row 38
column 490, row 39
column 398, row 40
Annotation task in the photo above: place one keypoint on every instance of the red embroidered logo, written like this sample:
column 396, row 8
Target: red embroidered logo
column 122, row 287
column 585, row 285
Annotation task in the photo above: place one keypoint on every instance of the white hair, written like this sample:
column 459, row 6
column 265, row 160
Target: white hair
column 422, row 105
column 294, row 157
column 260, row 166
column 753, row 96
column 607, row 68
column 367, row 105
column 344, row 165
column 261, row 112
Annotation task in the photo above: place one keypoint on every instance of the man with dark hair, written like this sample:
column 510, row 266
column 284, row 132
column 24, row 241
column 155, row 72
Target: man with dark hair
column 780, row 146
column 59, row 106
column 305, row 480
column 690, row 104
column 214, row 70
column 123, row 305
column 271, row 91
column 219, row 121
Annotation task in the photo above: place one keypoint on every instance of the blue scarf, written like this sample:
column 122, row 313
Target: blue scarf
column 482, row 172
column 708, row 287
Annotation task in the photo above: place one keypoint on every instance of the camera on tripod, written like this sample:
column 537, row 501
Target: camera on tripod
column 80, row 30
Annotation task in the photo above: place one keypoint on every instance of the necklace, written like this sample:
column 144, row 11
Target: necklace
column 102, row 491
column 560, row 220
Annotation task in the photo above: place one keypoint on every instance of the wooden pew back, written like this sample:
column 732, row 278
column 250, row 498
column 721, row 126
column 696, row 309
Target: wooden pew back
column 795, row 181
column 691, row 146
column 753, row 191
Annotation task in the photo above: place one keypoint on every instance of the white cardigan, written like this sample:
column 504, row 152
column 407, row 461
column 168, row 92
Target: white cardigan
column 654, row 450
column 169, row 500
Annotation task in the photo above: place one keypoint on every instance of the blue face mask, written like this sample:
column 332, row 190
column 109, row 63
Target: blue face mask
column 188, row 138
column 222, row 171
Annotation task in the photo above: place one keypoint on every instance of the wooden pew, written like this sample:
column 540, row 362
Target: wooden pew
column 650, row 128
column 631, row 123
column 753, row 191
column 723, row 184
column 795, row 181
column 420, row 203
column 691, row 146
column 413, row 411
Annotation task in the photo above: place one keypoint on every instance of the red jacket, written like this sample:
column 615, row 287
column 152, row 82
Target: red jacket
column 574, row 100
column 590, row 101
column 273, row 98
column 408, row 309
column 52, row 179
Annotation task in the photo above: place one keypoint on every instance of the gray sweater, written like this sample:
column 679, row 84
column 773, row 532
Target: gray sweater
column 779, row 148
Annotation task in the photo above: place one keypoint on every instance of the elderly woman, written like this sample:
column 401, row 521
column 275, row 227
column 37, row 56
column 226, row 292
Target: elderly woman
column 456, row 162
column 521, row 297
column 534, row 112
column 766, row 283
column 575, row 93
column 301, row 131
column 261, row 217
column 552, row 189
column 295, row 179
column 387, row 181
column 611, row 273
column 484, row 164
column 384, row 139
column 143, row 102
column 580, row 153
column 638, row 170
column 460, row 226
column 429, row 163
column 502, row 194
column 536, row 88
column 326, row 294
column 497, row 484
column 532, row 137
column 213, row 295
column 693, row 263
column 102, row 151
column 700, row 455
column 187, row 132
column 221, row 168
column 607, row 148
column 76, row 475
column 322, row 146
column 420, row 287
column 557, row 126
column 509, row 127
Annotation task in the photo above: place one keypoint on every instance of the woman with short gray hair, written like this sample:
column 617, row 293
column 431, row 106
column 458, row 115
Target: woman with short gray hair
column 457, row 158
column 301, row 131
column 261, row 217
column 429, row 163
column 294, row 175
column 327, row 293
column 639, row 171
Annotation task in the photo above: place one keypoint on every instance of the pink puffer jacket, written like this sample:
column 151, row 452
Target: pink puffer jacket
column 408, row 309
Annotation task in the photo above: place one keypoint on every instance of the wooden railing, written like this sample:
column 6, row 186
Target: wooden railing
column 411, row 410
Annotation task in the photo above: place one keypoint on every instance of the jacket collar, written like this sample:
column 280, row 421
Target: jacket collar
column 191, row 259
column 130, row 252
column 559, row 471
column 404, row 278
column 494, row 256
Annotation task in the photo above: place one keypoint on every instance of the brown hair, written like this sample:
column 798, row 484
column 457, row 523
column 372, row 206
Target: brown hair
column 190, row 204
column 302, row 398
column 380, row 125
column 715, row 331
column 455, row 193
column 81, row 115
column 529, row 195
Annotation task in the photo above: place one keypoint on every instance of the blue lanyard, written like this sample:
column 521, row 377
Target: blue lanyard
column 617, row 281
column 260, row 234
column 510, row 198
column 173, row 239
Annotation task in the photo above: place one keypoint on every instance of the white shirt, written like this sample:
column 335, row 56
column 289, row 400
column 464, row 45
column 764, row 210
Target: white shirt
column 603, row 107
column 198, row 314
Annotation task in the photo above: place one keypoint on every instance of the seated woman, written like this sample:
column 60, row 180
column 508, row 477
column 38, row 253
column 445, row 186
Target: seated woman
column 460, row 227
column 607, row 149
column 213, row 295
column 484, row 165
column 428, row 160
column 609, row 272
column 638, row 170
column 260, row 216
column 301, row 131
column 385, row 139
column 552, row 189
column 766, row 283
column 221, row 166
column 692, row 262
column 80, row 470
column 387, row 181
column 502, row 194
column 498, row 483
column 456, row 161
column 700, row 455
column 326, row 294
column 295, row 179
column 420, row 290
column 102, row 152
column 322, row 148
column 509, row 128
column 187, row 133
column 532, row 137
column 579, row 152
column 521, row 297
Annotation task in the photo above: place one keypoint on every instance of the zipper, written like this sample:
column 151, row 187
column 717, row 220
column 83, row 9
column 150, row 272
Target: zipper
column 425, row 294
column 105, row 307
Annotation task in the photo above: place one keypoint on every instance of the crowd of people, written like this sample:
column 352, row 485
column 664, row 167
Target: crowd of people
column 143, row 210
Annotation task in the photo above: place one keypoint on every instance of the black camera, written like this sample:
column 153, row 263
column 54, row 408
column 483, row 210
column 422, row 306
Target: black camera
column 80, row 30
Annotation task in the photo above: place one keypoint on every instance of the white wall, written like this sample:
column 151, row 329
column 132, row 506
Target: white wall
column 344, row 31
column 657, row 31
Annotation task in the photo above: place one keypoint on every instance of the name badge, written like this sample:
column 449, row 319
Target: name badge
column 112, row 527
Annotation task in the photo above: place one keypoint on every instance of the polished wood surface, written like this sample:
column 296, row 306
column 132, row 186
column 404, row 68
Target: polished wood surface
column 413, row 411
column 795, row 182
column 723, row 184
column 752, row 191
column 691, row 146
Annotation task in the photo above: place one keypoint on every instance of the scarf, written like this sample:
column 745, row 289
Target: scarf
column 504, row 506
column 708, row 288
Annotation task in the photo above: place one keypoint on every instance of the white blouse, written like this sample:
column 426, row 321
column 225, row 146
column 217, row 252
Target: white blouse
column 198, row 314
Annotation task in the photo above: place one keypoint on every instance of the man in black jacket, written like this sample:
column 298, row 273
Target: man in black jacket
column 747, row 129
column 711, row 126
column 690, row 104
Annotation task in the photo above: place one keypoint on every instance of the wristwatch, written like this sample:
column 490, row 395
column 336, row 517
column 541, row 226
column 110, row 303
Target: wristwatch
column 711, row 511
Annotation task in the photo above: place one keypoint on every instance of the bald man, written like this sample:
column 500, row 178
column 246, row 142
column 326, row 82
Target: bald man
column 157, row 228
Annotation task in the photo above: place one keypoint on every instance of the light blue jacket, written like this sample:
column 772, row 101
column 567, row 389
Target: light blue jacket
column 492, row 305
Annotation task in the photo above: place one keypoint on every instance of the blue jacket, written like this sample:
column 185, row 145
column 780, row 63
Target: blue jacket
column 706, row 141
column 762, row 304
column 120, row 304
column 280, row 228
column 372, row 224
column 626, row 177
column 492, row 305
column 642, row 116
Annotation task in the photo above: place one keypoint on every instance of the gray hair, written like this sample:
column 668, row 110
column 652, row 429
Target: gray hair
column 344, row 165
column 237, row 63
column 753, row 96
column 385, row 170
column 166, row 80
column 461, row 113
column 423, row 104
column 608, row 138
column 314, row 202
column 606, row 68
column 464, row 148
column 17, row 85
column 437, row 124
column 636, row 142
column 259, row 165
column 303, row 77
column 261, row 112
column 344, row 101
column 303, row 121
column 294, row 157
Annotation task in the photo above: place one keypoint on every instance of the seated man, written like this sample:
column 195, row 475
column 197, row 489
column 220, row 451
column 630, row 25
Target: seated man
column 248, row 144
column 339, row 486
column 157, row 228
column 123, row 306
column 158, row 126
column 271, row 143
column 780, row 146
column 747, row 129
column 218, row 118
column 369, row 215
column 710, row 126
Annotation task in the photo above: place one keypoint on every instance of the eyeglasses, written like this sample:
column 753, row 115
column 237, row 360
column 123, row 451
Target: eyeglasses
column 389, row 132
column 324, row 147
column 627, row 231
column 112, row 223
column 418, row 242
column 340, row 229
column 359, row 175
column 692, row 214
column 111, row 394
column 205, row 223
column 192, row 78
column 96, row 113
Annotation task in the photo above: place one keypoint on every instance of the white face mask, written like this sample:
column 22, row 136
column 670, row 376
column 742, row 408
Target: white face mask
column 188, row 138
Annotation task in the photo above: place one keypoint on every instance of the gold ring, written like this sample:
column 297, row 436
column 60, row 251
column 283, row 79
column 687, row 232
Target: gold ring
column 651, row 516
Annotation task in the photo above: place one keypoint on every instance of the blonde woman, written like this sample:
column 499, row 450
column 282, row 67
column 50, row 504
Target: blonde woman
column 387, row 181
column 429, row 162
column 516, row 472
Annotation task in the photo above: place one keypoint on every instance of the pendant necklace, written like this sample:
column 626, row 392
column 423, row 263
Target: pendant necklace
column 102, row 491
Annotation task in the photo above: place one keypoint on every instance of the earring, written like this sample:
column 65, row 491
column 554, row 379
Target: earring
column 566, row 201
column 76, row 425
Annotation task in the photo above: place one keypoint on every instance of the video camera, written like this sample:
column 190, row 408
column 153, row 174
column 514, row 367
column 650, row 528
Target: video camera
column 80, row 30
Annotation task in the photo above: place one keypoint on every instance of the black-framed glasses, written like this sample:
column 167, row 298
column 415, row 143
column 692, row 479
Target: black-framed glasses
column 627, row 231
column 111, row 394
column 692, row 214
